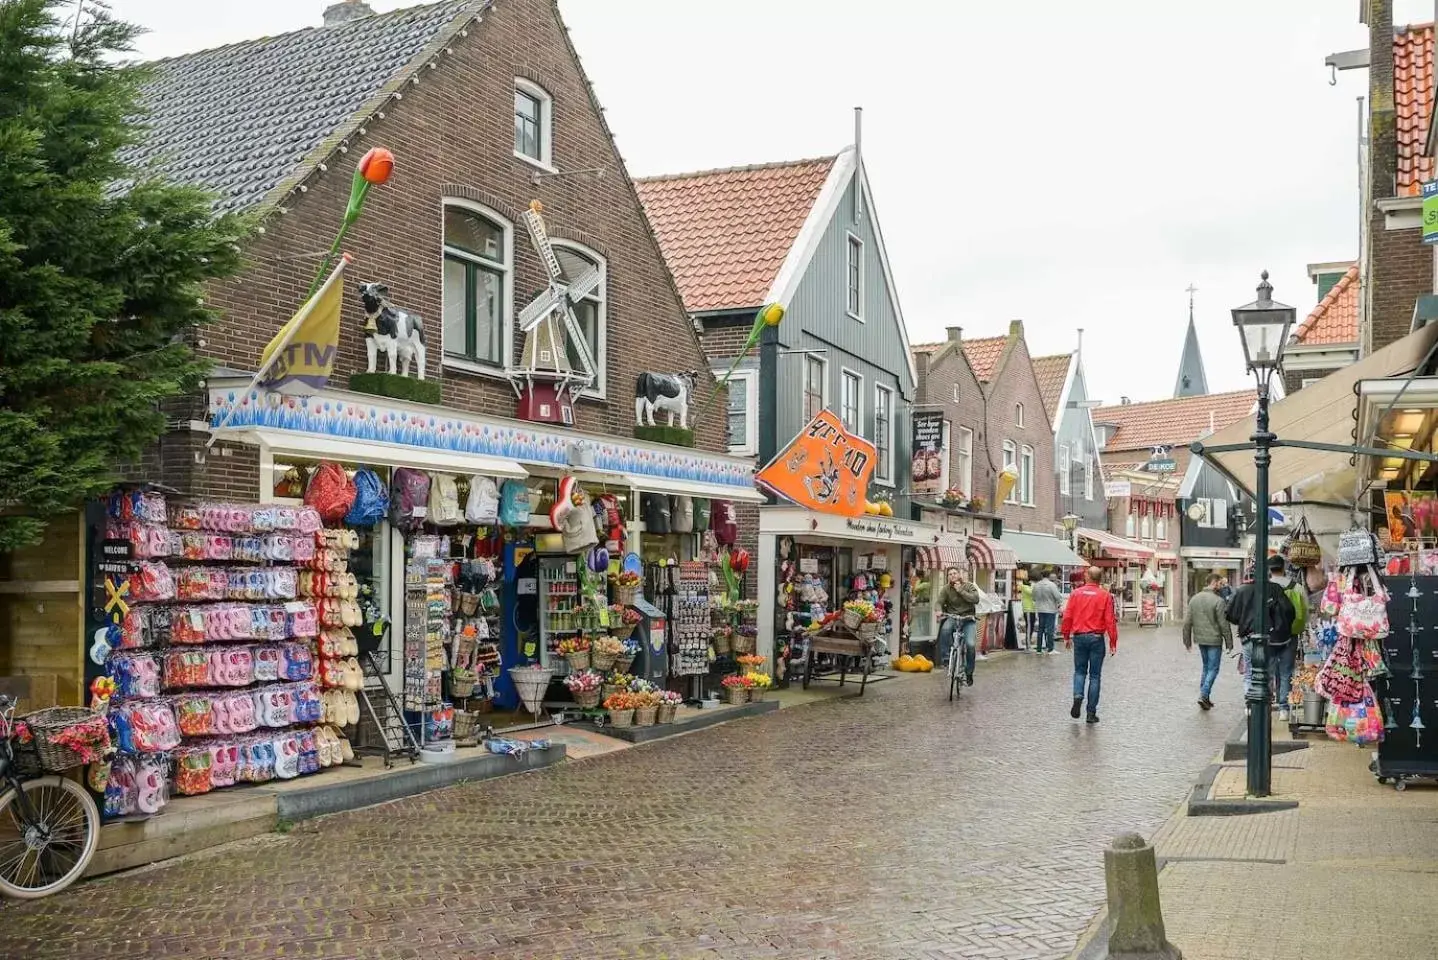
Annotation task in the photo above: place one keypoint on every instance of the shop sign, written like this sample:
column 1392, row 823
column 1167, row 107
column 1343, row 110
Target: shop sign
column 117, row 550
column 808, row 564
column 1430, row 212
column 1205, row 563
column 1117, row 489
column 1160, row 460
column 954, row 524
column 881, row 529
column 930, row 467
column 825, row 468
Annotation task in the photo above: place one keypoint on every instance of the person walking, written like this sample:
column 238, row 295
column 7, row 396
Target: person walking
column 1026, row 597
column 1047, row 599
column 1088, row 620
column 1242, row 612
column 1204, row 624
column 958, row 604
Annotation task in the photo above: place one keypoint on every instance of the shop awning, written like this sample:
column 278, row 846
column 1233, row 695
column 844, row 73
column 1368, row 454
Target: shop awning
column 1042, row 549
column 693, row 488
column 990, row 554
column 1166, row 558
column 1322, row 412
column 1115, row 547
column 926, row 559
column 308, row 446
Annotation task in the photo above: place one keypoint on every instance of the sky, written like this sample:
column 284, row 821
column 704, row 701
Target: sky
column 1072, row 165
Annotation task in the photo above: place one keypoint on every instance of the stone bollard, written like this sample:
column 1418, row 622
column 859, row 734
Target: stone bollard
column 1135, row 917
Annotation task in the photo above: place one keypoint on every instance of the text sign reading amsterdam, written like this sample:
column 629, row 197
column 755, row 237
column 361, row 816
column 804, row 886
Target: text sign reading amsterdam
column 825, row 468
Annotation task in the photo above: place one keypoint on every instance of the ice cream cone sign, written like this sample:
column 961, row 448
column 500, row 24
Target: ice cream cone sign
column 1005, row 485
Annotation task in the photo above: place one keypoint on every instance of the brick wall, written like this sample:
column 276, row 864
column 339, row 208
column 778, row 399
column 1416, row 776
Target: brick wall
column 939, row 374
column 1014, row 384
column 452, row 137
column 1400, row 273
column 1293, row 379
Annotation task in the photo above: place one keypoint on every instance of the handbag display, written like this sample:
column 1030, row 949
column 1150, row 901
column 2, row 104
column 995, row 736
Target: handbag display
column 1364, row 612
column 1357, row 548
column 1302, row 548
column 330, row 491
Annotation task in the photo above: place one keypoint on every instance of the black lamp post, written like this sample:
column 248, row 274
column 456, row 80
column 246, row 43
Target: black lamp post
column 1264, row 327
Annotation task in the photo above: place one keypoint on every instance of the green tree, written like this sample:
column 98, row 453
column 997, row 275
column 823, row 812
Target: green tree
column 101, row 266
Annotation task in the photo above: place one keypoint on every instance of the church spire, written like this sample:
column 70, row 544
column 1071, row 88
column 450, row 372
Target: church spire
column 1191, row 380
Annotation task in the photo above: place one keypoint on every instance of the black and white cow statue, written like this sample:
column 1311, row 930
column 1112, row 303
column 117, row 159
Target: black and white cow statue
column 388, row 328
column 664, row 392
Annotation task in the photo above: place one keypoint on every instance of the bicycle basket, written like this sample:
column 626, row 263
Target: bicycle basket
column 80, row 727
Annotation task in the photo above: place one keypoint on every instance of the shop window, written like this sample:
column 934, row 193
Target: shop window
column 477, row 291
column 1130, row 527
column 743, row 412
column 1146, row 528
column 964, row 461
column 1011, row 463
column 1064, row 484
column 575, row 261
column 1026, row 475
column 815, row 372
column 533, row 122
column 854, row 275
column 884, row 433
column 850, row 408
column 1161, row 533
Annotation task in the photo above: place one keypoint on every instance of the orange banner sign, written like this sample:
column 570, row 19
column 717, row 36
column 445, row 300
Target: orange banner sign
column 825, row 468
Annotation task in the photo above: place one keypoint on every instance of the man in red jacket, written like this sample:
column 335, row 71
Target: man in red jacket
column 1088, row 619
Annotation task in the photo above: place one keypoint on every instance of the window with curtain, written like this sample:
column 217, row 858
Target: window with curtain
column 849, row 408
column 814, row 369
column 1064, row 484
column 884, row 433
column 1011, row 462
column 964, row 461
column 1026, row 475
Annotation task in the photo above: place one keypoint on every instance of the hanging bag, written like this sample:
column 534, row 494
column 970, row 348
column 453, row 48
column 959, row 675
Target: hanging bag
column 1302, row 548
column 371, row 501
column 482, row 508
column 1357, row 548
column 444, row 509
column 514, row 506
column 409, row 499
column 331, row 492
column 1364, row 614
column 1332, row 600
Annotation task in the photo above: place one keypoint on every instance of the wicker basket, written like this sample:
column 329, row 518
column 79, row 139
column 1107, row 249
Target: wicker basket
column 622, row 632
column 625, row 596
column 466, row 724
column 666, row 712
column 578, row 660
column 645, row 716
column 609, row 689
column 756, row 694
column 621, row 718
column 623, row 662
column 603, row 662
column 743, row 644
column 586, row 699
column 852, row 619
column 723, row 642
column 461, row 684
column 736, row 695
column 868, row 630
column 45, row 724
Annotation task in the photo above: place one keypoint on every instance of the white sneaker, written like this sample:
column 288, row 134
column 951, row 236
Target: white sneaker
column 1283, row 716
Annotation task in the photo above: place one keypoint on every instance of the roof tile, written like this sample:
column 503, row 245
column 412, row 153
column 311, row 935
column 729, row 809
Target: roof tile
column 1335, row 319
column 983, row 355
column 1413, row 101
column 725, row 233
column 1052, row 373
column 1175, row 422
column 237, row 120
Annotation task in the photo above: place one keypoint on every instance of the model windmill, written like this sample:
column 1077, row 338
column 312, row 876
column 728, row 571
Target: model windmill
column 546, row 380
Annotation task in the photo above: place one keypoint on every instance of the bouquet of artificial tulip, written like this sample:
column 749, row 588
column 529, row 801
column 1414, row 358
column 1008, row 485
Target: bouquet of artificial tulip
column 583, row 682
column 619, row 701
column 573, row 645
column 621, row 680
column 761, row 680
column 639, row 685
column 670, row 696
column 627, row 578
column 607, row 645
column 735, row 680
column 750, row 660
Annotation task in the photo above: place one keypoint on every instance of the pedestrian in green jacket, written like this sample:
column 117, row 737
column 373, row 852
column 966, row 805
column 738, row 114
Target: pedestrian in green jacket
column 1205, row 624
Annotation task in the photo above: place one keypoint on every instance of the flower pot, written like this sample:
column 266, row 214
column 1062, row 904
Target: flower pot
column 587, row 699
column 667, row 712
column 623, row 662
column 736, row 695
column 621, row 718
column 645, row 716
column 578, row 660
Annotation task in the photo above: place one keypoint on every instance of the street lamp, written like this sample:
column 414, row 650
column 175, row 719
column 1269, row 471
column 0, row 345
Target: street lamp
column 1070, row 521
column 1263, row 326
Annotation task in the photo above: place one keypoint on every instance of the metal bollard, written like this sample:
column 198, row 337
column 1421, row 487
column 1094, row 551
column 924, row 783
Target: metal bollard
column 1135, row 916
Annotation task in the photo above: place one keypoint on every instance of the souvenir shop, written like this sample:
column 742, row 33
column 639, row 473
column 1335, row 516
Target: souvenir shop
column 1129, row 568
column 820, row 567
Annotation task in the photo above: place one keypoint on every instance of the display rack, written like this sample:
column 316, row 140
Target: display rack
column 690, row 624
column 1408, row 694
column 560, row 609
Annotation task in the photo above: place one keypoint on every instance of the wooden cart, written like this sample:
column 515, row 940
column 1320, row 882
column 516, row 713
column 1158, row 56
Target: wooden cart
column 843, row 643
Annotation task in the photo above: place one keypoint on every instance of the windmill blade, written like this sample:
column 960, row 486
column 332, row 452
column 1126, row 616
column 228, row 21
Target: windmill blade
column 540, row 235
column 581, row 345
column 544, row 305
column 585, row 284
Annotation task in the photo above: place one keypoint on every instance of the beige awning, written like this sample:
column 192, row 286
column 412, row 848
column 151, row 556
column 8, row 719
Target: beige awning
column 1320, row 413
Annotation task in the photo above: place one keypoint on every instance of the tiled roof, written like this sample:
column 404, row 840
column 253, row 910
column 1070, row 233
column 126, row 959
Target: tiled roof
column 725, row 233
column 983, row 355
column 238, row 120
column 1176, row 422
column 929, row 347
column 1413, row 101
column 1052, row 373
column 1335, row 319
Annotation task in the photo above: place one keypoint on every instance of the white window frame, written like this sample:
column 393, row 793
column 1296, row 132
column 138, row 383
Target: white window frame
column 1026, row 475
column 1145, row 527
column 964, row 447
column 1065, row 485
column 1088, row 472
column 854, row 242
column 1011, row 460
column 847, row 376
column 887, row 463
column 1160, row 531
column 600, row 390
column 823, row 384
column 545, row 160
column 1130, row 526
column 506, row 335
column 748, row 381
column 1218, row 513
column 1018, row 414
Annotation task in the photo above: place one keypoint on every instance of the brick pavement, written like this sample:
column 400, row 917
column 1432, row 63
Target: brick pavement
column 895, row 827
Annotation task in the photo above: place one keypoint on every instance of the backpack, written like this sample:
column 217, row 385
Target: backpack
column 371, row 500
column 724, row 521
column 444, row 509
column 514, row 504
column 657, row 515
column 1299, row 599
column 482, row 508
column 331, row 492
column 408, row 492
column 682, row 512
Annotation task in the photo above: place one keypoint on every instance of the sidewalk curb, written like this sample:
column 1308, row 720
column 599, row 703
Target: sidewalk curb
column 1236, row 747
column 1200, row 805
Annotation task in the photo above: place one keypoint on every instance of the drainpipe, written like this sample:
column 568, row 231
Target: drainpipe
column 858, row 164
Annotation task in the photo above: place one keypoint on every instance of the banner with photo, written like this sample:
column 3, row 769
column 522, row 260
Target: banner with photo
column 930, row 467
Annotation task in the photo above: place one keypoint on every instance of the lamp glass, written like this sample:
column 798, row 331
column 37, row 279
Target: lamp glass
column 1265, row 333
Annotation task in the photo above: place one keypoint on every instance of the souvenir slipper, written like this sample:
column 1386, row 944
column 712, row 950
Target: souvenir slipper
column 322, row 747
column 347, row 753
column 287, row 757
column 309, row 748
column 150, row 798
column 353, row 676
column 352, row 709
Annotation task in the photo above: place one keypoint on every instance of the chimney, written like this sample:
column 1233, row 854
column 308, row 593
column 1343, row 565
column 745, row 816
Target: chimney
column 1079, row 349
column 956, row 334
column 345, row 11
column 1383, row 120
column 1016, row 329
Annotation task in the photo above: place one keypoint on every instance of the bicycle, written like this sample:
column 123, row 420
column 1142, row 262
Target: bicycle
column 955, row 667
column 49, row 826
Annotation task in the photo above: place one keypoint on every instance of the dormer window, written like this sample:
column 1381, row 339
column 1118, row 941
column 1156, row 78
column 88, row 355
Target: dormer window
column 533, row 123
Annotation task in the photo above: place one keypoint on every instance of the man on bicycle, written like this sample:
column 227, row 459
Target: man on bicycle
column 958, row 603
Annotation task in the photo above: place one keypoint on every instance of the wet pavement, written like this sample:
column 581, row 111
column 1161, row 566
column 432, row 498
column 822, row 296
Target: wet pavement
column 897, row 826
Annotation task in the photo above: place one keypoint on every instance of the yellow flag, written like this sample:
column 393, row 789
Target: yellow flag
column 301, row 357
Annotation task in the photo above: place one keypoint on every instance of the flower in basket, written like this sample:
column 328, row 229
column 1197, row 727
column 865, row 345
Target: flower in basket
column 621, row 679
column 640, row 685
column 646, row 698
column 627, row 578
column 607, row 646
column 736, row 680
column 748, row 630
column 747, row 606
column 863, row 608
column 761, row 680
column 583, row 682
column 670, row 697
column 89, row 738
column 631, row 647
column 616, row 614
column 619, row 701
column 573, row 645
column 631, row 617
column 750, row 660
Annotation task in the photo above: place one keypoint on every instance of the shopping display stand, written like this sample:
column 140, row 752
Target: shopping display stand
column 842, row 643
column 397, row 739
column 531, row 682
column 1406, row 755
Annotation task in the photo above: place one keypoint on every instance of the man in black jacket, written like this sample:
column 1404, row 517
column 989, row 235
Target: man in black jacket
column 1243, row 613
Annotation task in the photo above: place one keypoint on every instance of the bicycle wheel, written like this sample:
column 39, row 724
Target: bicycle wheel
column 46, row 851
column 956, row 686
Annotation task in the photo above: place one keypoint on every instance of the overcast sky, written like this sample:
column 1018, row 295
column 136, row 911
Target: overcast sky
column 1069, row 164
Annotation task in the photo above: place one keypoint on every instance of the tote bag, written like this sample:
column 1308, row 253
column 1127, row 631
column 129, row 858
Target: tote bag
column 1364, row 613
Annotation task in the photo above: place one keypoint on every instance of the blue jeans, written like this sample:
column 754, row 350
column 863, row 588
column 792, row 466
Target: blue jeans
column 1047, row 622
column 1280, row 669
column 1212, row 658
column 1088, row 666
column 968, row 637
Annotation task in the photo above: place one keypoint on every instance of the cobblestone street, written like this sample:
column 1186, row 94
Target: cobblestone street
column 896, row 826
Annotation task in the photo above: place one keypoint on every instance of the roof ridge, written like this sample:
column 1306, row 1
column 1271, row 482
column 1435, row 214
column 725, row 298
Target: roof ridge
column 742, row 168
column 289, row 33
column 1323, row 306
column 1227, row 394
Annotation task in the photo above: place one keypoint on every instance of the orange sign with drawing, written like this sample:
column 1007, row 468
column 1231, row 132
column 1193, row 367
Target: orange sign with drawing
column 825, row 468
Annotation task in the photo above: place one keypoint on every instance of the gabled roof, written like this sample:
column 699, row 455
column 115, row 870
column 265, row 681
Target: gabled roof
column 984, row 355
column 1052, row 373
column 1335, row 319
column 1176, row 422
column 1413, row 103
column 726, row 233
column 245, row 121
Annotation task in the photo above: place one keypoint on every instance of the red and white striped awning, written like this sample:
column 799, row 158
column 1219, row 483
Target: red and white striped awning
column 991, row 554
column 938, row 558
column 1116, row 547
